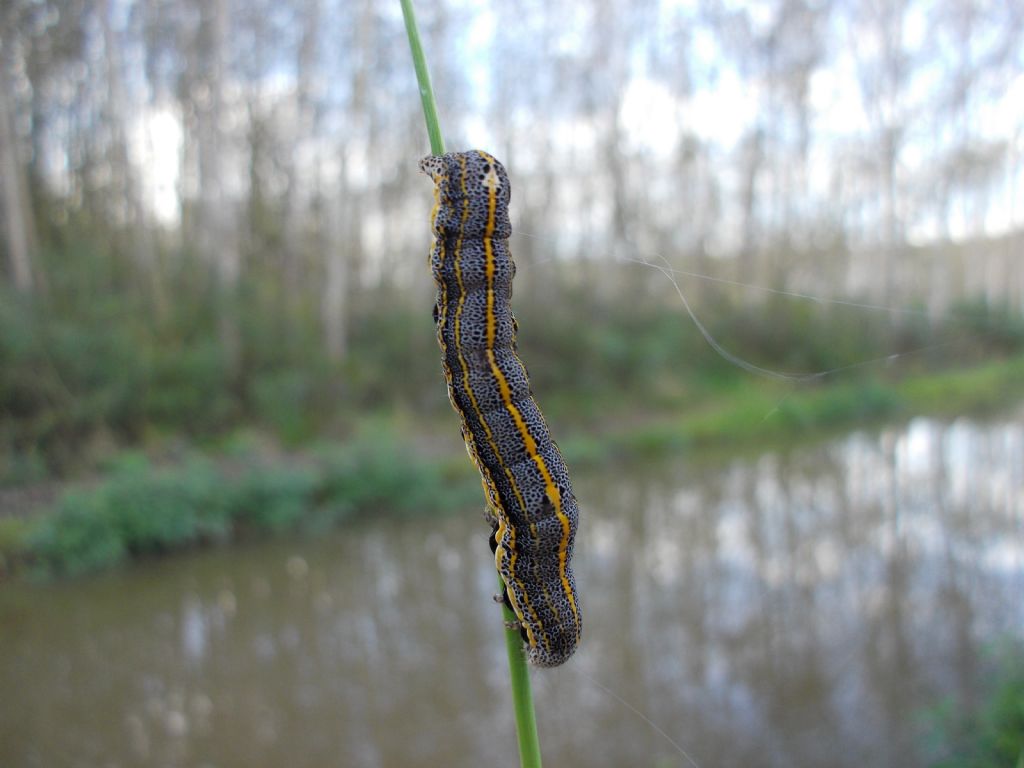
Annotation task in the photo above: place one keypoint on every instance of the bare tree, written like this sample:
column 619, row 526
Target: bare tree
column 342, row 217
column 124, row 191
column 320, row 140
column 975, row 46
column 884, row 71
column 206, row 108
column 307, row 115
column 17, row 208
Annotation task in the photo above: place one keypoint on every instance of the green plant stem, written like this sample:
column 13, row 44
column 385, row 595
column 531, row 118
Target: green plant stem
column 519, row 673
column 423, row 78
column 522, row 697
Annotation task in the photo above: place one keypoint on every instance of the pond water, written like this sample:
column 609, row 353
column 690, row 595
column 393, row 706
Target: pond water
column 797, row 608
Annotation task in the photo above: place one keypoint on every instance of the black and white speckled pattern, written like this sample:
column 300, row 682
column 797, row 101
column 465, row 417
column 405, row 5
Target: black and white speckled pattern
column 529, row 495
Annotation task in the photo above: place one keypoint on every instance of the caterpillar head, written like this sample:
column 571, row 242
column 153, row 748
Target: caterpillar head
column 472, row 193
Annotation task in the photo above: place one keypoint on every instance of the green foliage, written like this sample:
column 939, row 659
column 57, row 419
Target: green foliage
column 983, row 387
column 187, row 388
column 80, row 537
column 377, row 472
column 990, row 735
column 108, row 360
column 55, row 379
column 286, row 401
column 838, row 405
column 999, row 326
column 276, row 500
column 14, row 538
column 141, row 509
column 393, row 357
column 138, row 510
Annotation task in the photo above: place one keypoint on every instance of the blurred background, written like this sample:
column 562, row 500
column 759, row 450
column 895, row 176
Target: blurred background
column 215, row 331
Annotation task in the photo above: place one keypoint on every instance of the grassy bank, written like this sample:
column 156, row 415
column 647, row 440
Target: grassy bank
column 141, row 509
column 757, row 413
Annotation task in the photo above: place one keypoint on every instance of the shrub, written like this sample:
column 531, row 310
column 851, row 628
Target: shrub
column 991, row 735
column 376, row 472
column 273, row 500
column 80, row 537
column 14, row 542
column 142, row 509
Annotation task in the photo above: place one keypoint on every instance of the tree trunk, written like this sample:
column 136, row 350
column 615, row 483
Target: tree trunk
column 217, row 236
column 343, row 229
column 16, row 205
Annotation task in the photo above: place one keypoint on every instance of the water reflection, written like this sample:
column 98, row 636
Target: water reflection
column 795, row 609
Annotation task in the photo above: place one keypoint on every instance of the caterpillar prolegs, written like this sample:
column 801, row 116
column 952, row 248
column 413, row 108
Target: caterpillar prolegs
column 530, row 500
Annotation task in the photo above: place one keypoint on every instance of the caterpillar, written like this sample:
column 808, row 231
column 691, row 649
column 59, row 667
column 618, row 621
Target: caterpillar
column 530, row 503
